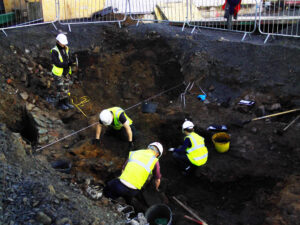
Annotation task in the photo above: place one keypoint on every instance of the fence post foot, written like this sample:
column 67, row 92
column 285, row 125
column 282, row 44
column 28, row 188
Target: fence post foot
column 4, row 33
column 69, row 26
column 120, row 24
column 54, row 25
column 266, row 38
column 183, row 26
column 245, row 35
column 193, row 30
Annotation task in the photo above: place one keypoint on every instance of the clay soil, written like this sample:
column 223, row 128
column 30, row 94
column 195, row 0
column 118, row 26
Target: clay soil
column 256, row 182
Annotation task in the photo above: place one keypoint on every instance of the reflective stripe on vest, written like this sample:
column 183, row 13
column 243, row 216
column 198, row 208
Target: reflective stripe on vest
column 201, row 157
column 116, row 111
column 196, row 147
column 197, row 153
column 140, row 164
column 58, row 71
column 146, row 167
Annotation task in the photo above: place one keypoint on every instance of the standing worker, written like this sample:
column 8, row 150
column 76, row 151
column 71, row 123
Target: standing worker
column 193, row 152
column 138, row 167
column 117, row 119
column 231, row 7
column 61, row 71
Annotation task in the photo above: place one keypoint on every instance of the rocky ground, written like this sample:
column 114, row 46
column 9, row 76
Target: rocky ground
column 256, row 182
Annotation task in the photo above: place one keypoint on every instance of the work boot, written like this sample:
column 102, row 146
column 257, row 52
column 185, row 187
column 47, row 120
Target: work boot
column 188, row 171
column 62, row 106
column 68, row 104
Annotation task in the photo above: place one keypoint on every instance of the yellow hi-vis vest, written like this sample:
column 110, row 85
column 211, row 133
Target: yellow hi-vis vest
column 197, row 154
column 116, row 111
column 139, row 166
column 57, row 70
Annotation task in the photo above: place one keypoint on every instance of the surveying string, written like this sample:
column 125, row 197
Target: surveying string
column 63, row 138
column 154, row 96
column 52, row 143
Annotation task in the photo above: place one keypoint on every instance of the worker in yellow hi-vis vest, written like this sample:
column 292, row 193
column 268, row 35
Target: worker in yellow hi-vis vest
column 61, row 71
column 136, row 171
column 120, row 123
column 193, row 152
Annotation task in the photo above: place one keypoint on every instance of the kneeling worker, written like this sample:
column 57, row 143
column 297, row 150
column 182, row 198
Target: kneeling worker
column 193, row 151
column 117, row 119
column 138, row 167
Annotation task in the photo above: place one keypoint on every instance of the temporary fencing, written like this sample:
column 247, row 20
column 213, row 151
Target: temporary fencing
column 174, row 11
column 23, row 13
column 272, row 17
column 214, row 14
column 279, row 18
column 92, row 11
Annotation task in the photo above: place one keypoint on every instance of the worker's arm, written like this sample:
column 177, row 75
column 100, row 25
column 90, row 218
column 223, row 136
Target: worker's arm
column 128, row 130
column 57, row 62
column 72, row 58
column 98, row 131
column 186, row 144
column 157, row 175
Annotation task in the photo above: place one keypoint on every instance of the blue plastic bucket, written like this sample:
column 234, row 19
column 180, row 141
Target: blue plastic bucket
column 201, row 97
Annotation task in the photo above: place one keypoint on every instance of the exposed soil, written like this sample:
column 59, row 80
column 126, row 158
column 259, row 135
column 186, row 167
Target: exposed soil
column 256, row 182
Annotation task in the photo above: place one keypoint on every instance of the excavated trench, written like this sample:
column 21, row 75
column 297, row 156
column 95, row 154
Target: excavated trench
column 253, row 183
column 126, row 75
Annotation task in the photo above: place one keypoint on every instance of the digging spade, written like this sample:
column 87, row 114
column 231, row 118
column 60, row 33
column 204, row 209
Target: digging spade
column 242, row 123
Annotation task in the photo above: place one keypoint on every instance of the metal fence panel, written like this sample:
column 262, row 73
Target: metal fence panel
column 279, row 17
column 213, row 14
column 91, row 11
column 159, row 10
column 21, row 13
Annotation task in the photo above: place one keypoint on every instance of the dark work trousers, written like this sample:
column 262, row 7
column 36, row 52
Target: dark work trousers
column 122, row 133
column 183, row 161
column 232, row 5
column 115, row 188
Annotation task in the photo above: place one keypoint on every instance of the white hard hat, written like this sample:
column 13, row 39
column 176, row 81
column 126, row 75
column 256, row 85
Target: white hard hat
column 61, row 38
column 106, row 117
column 187, row 125
column 158, row 146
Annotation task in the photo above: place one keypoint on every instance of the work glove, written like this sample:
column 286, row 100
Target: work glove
column 70, row 63
column 171, row 149
column 96, row 142
column 130, row 145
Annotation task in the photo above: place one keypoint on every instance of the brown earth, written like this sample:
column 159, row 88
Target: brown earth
column 255, row 182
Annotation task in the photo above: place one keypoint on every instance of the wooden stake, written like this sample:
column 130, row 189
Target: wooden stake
column 192, row 219
column 190, row 211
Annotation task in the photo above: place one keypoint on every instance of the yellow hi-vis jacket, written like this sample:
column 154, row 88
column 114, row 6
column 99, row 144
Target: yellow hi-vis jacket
column 197, row 154
column 116, row 111
column 57, row 70
column 138, row 168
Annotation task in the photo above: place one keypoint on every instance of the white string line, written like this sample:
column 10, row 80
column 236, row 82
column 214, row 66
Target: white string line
column 52, row 143
column 154, row 96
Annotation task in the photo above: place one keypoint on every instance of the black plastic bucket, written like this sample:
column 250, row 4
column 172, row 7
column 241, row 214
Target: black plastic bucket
column 159, row 214
column 149, row 107
column 63, row 166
